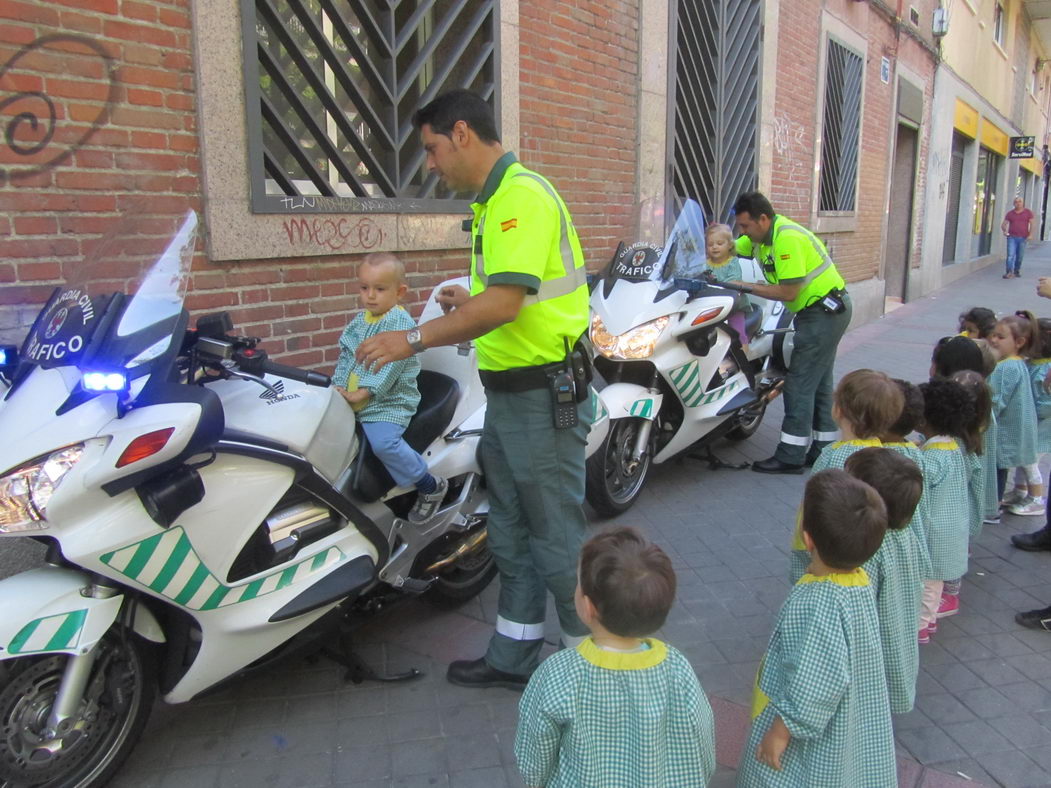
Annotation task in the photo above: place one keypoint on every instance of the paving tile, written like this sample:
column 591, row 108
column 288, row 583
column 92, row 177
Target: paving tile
column 194, row 777
column 1013, row 769
column 363, row 763
column 426, row 757
column 994, row 671
column 477, row 751
column 930, row 745
column 1022, row 730
column 977, row 736
column 493, row 777
column 955, row 774
column 987, row 702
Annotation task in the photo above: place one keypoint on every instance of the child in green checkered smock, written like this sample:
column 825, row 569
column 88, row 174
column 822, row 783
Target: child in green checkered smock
column 1038, row 375
column 820, row 712
column 865, row 404
column 897, row 570
column 1013, row 340
column 948, row 409
column 622, row 708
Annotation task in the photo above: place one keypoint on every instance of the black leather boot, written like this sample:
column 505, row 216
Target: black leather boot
column 479, row 673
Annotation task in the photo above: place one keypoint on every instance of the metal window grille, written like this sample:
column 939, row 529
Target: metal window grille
column 712, row 135
column 841, row 129
column 331, row 86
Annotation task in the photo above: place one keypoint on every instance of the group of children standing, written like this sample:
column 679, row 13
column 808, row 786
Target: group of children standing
column 880, row 547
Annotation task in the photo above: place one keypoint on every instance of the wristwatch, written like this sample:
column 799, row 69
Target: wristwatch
column 415, row 340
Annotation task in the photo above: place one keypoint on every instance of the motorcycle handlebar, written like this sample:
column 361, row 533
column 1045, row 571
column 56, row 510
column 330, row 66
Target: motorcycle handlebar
column 295, row 373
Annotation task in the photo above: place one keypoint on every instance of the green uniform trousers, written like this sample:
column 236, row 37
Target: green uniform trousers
column 808, row 386
column 535, row 477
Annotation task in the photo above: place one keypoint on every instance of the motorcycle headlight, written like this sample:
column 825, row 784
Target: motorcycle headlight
column 637, row 343
column 25, row 492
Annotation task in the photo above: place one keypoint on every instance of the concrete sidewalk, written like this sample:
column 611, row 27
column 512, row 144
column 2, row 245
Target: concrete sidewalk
column 983, row 713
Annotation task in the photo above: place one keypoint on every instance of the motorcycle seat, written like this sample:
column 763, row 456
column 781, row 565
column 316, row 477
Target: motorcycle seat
column 439, row 395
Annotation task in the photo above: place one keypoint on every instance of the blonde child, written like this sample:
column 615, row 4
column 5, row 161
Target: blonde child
column 1014, row 339
column 820, row 713
column 948, row 409
column 726, row 267
column 385, row 401
column 864, row 405
column 622, row 708
column 1038, row 369
column 897, row 570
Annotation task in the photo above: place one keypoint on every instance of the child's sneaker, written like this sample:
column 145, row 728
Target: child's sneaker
column 925, row 635
column 932, row 628
column 427, row 503
column 950, row 606
column 1028, row 506
column 1013, row 496
column 991, row 520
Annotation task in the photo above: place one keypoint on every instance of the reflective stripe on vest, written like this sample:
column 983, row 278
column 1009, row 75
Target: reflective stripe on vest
column 551, row 288
column 827, row 261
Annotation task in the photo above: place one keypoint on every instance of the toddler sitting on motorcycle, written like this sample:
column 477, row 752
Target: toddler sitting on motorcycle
column 386, row 400
column 723, row 266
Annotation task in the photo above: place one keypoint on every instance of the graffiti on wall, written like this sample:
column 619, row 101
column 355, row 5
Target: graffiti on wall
column 43, row 126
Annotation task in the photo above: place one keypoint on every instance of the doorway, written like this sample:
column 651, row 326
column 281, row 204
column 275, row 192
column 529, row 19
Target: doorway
column 985, row 200
column 899, row 225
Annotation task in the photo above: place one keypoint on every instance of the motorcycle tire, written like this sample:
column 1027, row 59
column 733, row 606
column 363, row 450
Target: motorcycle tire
column 113, row 714
column 463, row 580
column 611, row 487
column 748, row 421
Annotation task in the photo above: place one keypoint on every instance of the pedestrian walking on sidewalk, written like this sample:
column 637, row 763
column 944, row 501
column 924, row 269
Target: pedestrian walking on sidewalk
column 1018, row 227
column 800, row 272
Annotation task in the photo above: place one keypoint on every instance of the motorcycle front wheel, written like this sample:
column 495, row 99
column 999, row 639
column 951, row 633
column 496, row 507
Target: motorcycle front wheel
column 111, row 717
column 614, row 480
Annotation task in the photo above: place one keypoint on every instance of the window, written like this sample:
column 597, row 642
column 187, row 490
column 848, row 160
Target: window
column 999, row 23
column 331, row 89
column 841, row 129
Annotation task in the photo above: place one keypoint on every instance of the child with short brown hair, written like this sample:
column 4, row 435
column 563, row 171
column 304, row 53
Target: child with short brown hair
column 821, row 715
column 622, row 708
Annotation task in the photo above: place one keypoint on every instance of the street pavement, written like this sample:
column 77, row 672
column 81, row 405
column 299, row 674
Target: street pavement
column 983, row 714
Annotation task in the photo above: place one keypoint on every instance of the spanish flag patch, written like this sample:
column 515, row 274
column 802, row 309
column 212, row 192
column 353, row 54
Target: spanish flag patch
column 508, row 225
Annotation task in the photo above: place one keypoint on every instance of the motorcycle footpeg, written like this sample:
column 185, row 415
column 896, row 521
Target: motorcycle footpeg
column 410, row 585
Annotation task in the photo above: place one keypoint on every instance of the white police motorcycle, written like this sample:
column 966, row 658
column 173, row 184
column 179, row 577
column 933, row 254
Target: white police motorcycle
column 673, row 375
column 206, row 510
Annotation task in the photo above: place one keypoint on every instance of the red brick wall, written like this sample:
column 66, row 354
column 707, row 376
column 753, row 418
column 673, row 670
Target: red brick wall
column 578, row 120
column 858, row 253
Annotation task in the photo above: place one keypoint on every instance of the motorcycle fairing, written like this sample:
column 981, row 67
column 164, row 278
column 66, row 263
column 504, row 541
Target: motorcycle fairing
column 49, row 614
column 630, row 304
column 631, row 399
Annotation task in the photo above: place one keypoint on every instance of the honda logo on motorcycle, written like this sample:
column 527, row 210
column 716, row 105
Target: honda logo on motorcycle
column 276, row 394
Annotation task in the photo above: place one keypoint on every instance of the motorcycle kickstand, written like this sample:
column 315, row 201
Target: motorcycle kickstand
column 714, row 463
column 358, row 670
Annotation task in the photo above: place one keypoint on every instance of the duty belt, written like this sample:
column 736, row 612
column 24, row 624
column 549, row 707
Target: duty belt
column 519, row 379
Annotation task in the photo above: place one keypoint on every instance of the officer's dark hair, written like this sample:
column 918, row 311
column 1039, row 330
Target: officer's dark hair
column 973, row 430
column 870, row 401
column 629, row 580
column 948, row 408
column 953, row 354
column 442, row 113
column 754, row 204
column 911, row 412
column 845, row 517
column 897, row 479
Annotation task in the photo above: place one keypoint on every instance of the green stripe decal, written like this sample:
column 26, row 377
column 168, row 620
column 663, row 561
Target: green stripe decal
column 142, row 556
column 685, row 384
column 20, row 639
column 69, row 633
column 678, row 374
column 286, row 577
column 171, row 566
column 181, row 557
column 252, row 590
column 200, row 574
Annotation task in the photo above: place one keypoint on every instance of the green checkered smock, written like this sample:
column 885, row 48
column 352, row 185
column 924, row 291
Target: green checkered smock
column 823, row 675
column 975, row 492
column 916, row 524
column 990, row 499
column 592, row 718
column 896, row 573
column 1015, row 413
column 946, row 512
column 395, row 395
column 834, row 455
column 1038, row 368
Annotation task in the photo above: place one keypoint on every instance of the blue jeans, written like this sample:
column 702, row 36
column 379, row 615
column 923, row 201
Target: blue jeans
column 405, row 466
column 1015, row 252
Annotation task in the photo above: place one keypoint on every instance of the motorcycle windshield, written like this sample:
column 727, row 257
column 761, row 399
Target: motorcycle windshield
column 667, row 244
column 120, row 305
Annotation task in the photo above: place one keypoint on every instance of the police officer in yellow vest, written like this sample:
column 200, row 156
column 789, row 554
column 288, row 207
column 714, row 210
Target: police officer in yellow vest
column 799, row 272
column 528, row 303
